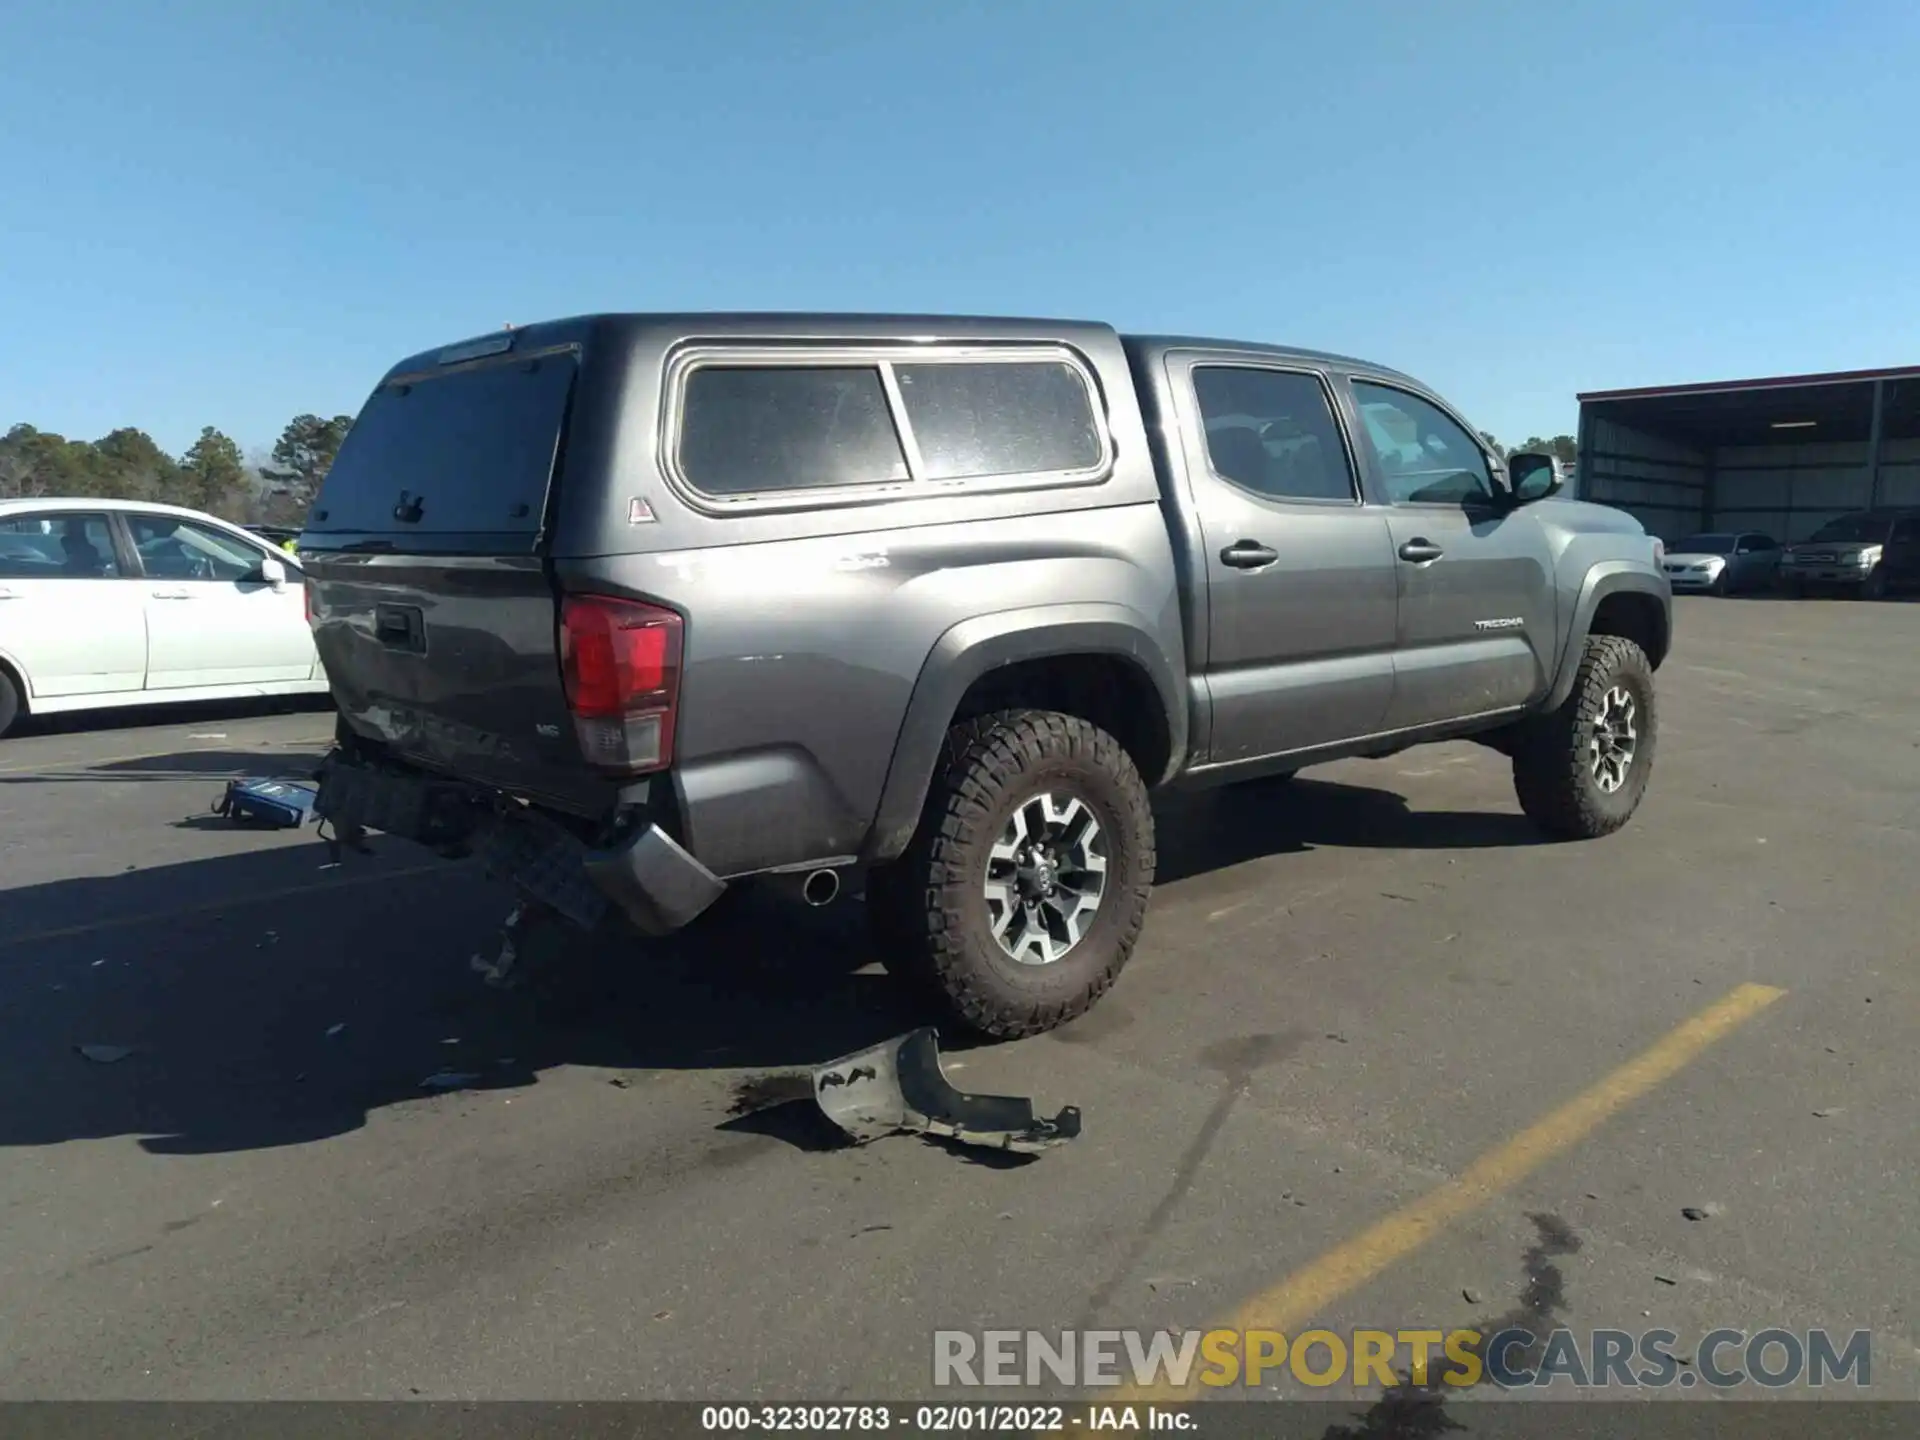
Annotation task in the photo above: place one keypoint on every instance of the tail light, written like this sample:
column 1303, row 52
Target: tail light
column 620, row 662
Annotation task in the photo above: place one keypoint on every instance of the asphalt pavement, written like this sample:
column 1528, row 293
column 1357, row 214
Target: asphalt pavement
column 1357, row 993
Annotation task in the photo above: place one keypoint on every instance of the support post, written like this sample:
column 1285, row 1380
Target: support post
column 1873, row 443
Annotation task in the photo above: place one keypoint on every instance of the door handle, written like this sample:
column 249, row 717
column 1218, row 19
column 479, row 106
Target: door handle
column 171, row 595
column 1420, row 550
column 1248, row 555
column 6, row 594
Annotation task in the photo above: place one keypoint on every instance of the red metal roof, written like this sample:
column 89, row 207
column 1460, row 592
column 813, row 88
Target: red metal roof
column 1776, row 382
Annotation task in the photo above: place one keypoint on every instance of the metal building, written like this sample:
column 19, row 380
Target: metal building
column 1782, row 456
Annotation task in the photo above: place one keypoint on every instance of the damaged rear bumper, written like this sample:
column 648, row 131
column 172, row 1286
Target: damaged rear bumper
column 645, row 873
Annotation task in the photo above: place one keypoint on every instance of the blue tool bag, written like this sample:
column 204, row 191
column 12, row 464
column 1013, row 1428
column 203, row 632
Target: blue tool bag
column 269, row 804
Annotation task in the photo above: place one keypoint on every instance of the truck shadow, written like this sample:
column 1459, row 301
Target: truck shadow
column 1212, row 830
column 259, row 1000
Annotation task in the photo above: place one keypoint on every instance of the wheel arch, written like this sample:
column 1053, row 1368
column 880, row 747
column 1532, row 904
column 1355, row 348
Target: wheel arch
column 1098, row 661
column 1616, row 598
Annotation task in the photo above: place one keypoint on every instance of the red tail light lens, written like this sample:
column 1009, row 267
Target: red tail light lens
column 620, row 662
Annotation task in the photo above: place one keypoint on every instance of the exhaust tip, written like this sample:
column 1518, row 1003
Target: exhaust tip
column 822, row 887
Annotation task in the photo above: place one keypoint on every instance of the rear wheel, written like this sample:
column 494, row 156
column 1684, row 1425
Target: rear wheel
column 1580, row 771
column 11, row 706
column 1021, row 896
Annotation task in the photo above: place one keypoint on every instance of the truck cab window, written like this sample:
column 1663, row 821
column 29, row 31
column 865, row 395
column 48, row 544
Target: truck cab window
column 1272, row 432
column 1422, row 456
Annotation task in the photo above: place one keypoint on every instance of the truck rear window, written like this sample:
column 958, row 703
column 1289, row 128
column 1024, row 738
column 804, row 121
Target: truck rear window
column 467, row 452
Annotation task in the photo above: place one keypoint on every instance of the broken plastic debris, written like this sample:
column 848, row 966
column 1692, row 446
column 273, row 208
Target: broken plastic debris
column 449, row 1080
column 105, row 1054
column 898, row 1085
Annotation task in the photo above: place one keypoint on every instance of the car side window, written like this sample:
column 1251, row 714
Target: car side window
column 173, row 549
column 1758, row 544
column 1273, row 432
column 52, row 545
column 1424, row 457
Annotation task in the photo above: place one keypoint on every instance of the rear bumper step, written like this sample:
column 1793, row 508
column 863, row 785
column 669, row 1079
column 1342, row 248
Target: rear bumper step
column 649, row 877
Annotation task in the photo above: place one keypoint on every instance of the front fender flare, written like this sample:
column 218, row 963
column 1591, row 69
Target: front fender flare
column 984, row 643
column 1605, row 578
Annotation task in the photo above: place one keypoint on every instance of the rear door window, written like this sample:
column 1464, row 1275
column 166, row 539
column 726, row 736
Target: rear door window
column 57, row 545
column 999, row 418
column 468, row 451
column 749, row 429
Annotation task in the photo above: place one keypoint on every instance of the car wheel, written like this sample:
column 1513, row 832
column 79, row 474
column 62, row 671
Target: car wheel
column 1580, row 771
column 1720, row 585
column 1021, row 896
column 12, row 705
column 1875, row 586
column 1793, row 587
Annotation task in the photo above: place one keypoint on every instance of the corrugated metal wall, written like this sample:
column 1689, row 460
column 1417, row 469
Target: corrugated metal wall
column 1900, row 472
column 1659, row 483
column 1788, row 491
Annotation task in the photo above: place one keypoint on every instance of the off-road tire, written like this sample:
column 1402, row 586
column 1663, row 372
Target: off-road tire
column 1552, row 771
column 929, row 910
column 11, row 708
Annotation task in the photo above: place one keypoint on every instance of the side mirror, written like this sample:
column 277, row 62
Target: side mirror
column 1532, row 476
column 272, row 572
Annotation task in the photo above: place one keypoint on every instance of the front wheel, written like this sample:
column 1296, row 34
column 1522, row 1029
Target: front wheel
column 10, row 704
column 1022, row 894
column 1581, row 770
column 1875, row 586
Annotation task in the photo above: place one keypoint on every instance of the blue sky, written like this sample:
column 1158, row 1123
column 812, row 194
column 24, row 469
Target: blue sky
column 228, row 211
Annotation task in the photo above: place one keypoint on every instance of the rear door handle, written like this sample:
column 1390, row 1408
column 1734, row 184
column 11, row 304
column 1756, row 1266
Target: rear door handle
column 1420, row 550
column 1248, row 555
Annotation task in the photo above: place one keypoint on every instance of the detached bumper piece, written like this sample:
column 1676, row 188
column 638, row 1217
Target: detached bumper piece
column 898, row 1085
column 646, row 875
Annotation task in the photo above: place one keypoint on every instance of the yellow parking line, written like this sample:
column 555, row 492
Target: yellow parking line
column 232, row 902
column 1308, row 1291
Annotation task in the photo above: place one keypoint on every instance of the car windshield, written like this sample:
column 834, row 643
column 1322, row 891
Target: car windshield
column 1853, row 527
column 1703, row 545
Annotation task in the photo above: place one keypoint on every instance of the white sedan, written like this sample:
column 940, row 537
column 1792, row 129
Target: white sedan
column 117, row 602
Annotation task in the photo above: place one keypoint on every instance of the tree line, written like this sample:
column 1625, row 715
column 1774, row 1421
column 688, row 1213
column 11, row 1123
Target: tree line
column 211, row 474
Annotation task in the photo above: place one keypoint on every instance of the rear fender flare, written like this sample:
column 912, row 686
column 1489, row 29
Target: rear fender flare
column 984, row 643
column 1607, row 577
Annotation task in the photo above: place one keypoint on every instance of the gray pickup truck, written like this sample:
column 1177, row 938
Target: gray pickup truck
column 638, row 607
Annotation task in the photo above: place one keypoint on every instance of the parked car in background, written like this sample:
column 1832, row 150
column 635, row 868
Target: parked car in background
column 1722, row 562
column 113, row 602
column 1848, row 553
column 1900, row 561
